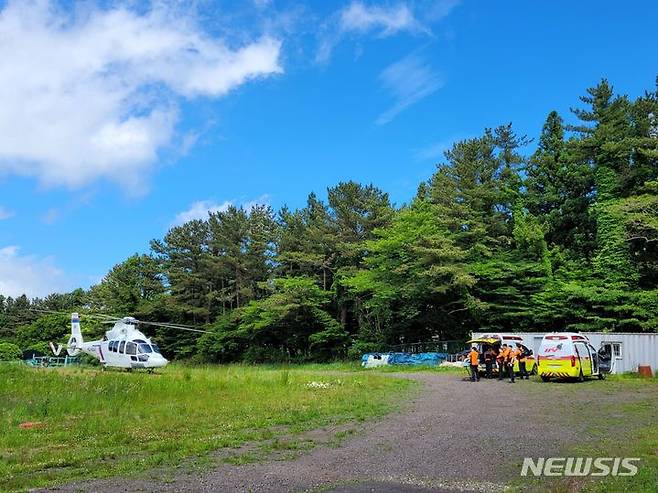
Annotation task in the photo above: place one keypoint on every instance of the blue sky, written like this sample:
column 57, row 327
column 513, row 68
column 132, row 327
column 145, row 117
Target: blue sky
column 120, row 119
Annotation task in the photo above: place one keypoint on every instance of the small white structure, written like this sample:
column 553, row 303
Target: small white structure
column 628, row 350
column 375, row 360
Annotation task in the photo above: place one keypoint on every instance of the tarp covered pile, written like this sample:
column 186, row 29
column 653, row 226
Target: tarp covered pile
column 371, row 360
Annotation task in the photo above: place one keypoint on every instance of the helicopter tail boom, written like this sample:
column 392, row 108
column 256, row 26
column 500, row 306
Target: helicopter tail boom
column 74, row 345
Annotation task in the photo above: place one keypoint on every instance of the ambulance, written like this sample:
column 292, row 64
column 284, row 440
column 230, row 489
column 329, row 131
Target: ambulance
column 566, row 355
column 496, row 341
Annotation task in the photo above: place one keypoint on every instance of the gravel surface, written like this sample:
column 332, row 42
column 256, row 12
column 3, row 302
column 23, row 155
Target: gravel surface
column 454, row 435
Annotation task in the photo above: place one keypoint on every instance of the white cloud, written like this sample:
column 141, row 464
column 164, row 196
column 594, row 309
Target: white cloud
column 51, row 216
column 93, row 94
column 5, row 213
column 432, row 151
column 360, row 19
column 262, row 4
column 435, row 150
column 435, row 10
column 201, row 208
column 357, row 17
column 262, row 200
column 408, row 81
column 28, row 274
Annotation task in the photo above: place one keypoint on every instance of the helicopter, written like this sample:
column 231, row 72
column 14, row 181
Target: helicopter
column 123, row 346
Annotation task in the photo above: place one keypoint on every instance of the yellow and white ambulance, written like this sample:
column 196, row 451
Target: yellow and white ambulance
column 495, row 341
column 566, row 355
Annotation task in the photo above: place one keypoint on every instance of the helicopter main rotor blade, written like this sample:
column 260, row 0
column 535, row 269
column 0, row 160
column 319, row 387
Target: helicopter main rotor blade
column 108, row 319
column 98, row 316
column 173, row 326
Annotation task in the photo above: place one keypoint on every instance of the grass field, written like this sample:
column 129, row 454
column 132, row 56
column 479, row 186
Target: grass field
column 93, row 423
column 629, row 429
column 626, row 426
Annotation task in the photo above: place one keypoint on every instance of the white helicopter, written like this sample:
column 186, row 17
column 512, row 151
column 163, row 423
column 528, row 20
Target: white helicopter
column 123, row 345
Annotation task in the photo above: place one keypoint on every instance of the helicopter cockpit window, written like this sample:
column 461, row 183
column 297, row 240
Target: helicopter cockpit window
column 122, row 347
column 131, row 348
column 156, row 349
column 145, row 348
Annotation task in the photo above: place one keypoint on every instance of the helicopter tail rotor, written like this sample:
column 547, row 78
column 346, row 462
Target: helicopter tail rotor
column 74, row 345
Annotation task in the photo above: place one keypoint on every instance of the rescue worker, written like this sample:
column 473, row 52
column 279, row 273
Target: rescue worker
column 522, row 350
column 502, row 361
column 511, row 359
column 489, row 357
column 474, row 359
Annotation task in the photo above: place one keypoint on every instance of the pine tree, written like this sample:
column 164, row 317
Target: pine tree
column 559, row 190
column 134, row 287
column 181, row 253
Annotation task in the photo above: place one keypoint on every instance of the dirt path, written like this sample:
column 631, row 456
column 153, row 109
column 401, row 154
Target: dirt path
column 453, row 435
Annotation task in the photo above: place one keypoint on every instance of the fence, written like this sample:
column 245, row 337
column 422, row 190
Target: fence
column 46, row 361
column 452, row 346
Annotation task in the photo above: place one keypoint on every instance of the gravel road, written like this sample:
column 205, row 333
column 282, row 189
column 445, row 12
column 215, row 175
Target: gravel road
column 453, row 436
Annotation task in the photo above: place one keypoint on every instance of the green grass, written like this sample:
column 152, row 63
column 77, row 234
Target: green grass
column 624, row 427
column 634, row 428
column 100, row 424
column 355, row 366
column 417, row 369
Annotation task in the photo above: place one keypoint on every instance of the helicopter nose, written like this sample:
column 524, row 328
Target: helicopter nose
column 160, row 361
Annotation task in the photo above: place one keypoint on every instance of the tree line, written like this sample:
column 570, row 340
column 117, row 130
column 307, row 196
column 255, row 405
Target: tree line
column 499, row 238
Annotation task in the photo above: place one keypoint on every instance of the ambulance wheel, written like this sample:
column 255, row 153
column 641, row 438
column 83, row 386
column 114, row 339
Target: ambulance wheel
column 581, row 378
column 544, row 378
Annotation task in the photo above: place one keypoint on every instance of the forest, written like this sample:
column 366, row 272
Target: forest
column 511, row 233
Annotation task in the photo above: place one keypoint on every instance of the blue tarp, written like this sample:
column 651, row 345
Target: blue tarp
column 428, row 359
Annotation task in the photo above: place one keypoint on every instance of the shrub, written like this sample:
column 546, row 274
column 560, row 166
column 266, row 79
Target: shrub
column 9, row 352
column 42, row 347
column 260, row 354
column 359, row 348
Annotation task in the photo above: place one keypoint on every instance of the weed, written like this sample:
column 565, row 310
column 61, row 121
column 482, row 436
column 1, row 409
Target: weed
column 100, row 424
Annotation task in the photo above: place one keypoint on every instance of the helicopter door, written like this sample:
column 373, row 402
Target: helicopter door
column 131, row 349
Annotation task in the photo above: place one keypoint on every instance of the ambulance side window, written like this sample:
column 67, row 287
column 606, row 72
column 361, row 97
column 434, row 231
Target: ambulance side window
column 122, row 347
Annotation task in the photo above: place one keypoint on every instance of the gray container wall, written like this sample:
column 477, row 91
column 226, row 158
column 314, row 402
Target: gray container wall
column 636, row 349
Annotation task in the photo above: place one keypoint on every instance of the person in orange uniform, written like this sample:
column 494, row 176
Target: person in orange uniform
column 523, row 372
column 474, row 359
column 511, row 359
column 503, row 354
